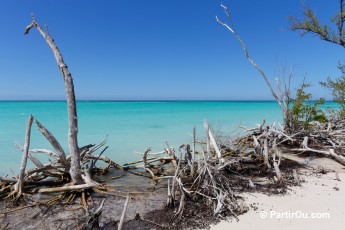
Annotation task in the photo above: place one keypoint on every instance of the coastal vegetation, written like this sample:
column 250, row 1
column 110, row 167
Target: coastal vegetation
column 198, row 184
column 337, row 88
column 332, row 32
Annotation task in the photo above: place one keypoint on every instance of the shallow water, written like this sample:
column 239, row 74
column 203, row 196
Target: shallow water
column 130, row 126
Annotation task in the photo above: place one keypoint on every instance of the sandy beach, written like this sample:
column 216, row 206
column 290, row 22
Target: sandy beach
column 318, row 203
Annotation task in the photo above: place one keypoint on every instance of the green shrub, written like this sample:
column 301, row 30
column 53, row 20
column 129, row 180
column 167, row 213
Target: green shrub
column 337, row 88
column 304, row 111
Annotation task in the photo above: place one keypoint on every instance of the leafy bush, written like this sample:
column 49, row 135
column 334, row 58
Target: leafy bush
column 337, row 88
column 304, row 111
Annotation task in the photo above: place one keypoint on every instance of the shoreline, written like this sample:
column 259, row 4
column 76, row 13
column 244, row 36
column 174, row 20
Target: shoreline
column 320, row 195
column 317, row 194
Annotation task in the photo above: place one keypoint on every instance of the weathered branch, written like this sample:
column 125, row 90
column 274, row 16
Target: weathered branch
column 123, row 214
column 265, row 153
column 193, row 149
column 20, row 183
column 45, row 151
column 106, row 160
column 94, row 218
column 67, row 188
column 75, row 169
column 34, row 159
column 52, row 140
column 145, row 157
column 340, row 159
column 233, row 31
column 213, row 141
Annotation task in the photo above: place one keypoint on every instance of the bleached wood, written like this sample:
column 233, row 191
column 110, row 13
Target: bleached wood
column 265, row 153
column 75, row 169
column 231, row 28
column 156, row 153
column 123, row 214
column 213, row 141
column 193, row 149
column 106, row 160
column 170, row 201
column 337, row 157
column 207, row 137
column 146, row 164
column 251, row 184
column 67, row 188
column 282, row 102
column 256, row 142
column 19, row 185
column 34, row 159
column 45, row 151
column 53, row 141
column 277, row 170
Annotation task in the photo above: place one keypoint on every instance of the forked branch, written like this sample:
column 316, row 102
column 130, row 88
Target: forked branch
column 231, row 28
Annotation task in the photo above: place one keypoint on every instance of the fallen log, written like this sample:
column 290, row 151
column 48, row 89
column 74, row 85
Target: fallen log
column 67, row 188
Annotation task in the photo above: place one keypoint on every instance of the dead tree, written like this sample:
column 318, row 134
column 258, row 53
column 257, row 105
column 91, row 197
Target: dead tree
column 67, row 174
column 75, row 169
column 283, row 97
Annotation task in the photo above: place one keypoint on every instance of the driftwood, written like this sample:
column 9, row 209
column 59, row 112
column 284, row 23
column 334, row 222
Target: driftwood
column 280, row 100
column 18, row 187
column 34, row 160
column 170, row 201
column 193, row 150
column 212, row 182
column 212, row 178
column 52, row 140
column 75, row 171
column 64, row 174
column 94, row 218
column 211, row 139
column 120, row 227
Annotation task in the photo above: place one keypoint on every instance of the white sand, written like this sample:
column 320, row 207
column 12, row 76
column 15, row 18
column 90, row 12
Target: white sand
column 319, row 194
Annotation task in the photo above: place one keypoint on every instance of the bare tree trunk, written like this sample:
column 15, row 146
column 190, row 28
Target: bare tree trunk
column 19, row 185
column 75, row 170
column 281, row 102
column 211, row 140
column 193, row 158
column 207, row 127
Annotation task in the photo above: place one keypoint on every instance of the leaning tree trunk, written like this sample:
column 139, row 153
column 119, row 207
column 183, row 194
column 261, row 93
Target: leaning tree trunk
column 75, row 170
column 282, row 102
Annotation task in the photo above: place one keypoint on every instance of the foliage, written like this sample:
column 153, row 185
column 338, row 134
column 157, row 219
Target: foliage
column 337, row 88
column 334, row 33
column 303, row 111
column 311, row 24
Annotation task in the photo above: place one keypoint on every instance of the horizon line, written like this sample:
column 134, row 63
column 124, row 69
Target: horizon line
column 148, row 100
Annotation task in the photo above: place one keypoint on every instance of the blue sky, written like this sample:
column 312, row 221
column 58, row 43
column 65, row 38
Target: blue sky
column 158, row 50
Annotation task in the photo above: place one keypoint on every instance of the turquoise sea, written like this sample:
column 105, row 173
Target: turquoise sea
column 131, row 126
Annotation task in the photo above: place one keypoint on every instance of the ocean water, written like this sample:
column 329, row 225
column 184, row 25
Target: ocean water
column 131, row 126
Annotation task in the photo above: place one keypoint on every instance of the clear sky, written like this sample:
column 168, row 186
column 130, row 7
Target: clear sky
column 161, row 50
